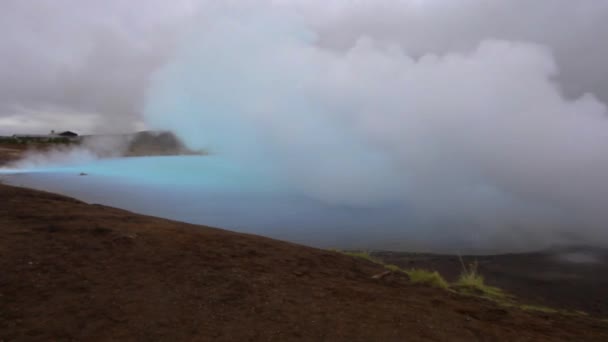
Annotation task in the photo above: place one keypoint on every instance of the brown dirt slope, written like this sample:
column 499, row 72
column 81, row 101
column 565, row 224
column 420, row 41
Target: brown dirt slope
column 74, row 271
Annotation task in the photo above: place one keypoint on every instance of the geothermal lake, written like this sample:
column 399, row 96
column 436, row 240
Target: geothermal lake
column 211, row 191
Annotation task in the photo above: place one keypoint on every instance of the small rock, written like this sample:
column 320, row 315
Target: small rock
column 381, row 275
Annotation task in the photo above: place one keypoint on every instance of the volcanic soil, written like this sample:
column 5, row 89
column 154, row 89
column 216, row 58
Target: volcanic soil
column 71, row 271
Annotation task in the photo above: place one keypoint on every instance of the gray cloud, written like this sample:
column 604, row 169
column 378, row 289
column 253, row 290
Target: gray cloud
column 73, row 57
column 97, row 57
column 573, row 30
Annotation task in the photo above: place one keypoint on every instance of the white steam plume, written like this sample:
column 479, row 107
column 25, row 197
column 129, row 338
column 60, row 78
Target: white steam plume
column 482, row 139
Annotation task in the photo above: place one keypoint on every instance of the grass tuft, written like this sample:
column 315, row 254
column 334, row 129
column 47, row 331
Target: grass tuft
column 434, row 279
column 363, row 255
column 471, row 282
column 538, row 308
column 393, row 268
column 417, row 276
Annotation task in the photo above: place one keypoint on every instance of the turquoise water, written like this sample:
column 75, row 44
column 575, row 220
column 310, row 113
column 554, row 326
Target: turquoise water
column 211, row 173
column 212, row 191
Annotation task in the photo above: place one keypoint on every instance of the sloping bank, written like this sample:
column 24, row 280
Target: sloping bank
column 74, row 271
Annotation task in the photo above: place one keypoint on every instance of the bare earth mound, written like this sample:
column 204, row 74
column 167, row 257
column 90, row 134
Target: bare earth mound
column 74, row 271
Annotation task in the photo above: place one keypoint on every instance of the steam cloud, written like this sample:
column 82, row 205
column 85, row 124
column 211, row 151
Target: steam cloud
column 89, row 149
column 480, row 139
column 483, row 119
column 87, row 65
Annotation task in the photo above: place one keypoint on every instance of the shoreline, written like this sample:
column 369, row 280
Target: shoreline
column 90, row 272
column 568, row 273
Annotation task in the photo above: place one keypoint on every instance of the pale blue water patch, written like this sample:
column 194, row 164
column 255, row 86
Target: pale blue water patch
column 209, row 172
column 212, row 191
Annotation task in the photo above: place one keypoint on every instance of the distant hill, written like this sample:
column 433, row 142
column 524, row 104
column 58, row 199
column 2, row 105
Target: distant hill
column 145, row 143
column 157, row 143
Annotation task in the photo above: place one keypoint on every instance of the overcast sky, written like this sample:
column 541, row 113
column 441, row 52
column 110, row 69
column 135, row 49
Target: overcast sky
column 85, row 65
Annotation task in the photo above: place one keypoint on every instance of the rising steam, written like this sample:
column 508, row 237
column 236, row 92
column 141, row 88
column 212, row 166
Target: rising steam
column 482, row 141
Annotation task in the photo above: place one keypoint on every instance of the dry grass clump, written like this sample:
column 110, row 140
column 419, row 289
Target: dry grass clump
column 363, row 255
column 471, row 282
column 431, row 278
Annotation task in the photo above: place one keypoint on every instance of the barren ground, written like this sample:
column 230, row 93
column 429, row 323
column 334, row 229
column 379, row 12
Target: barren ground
column 71, row 271
column 75, row 271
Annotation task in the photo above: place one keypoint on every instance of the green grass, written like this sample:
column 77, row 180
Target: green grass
column 472, row 283
column 475, row 284
column 469, row 283
column 431, row 278
column 362, row 255
column 544, row 309
column 421, row 276
column 417, row 276
column 394, row 268
column 537, row 308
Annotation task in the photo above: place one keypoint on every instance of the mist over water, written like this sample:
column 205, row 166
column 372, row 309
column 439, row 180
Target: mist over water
column 479, row 145
column 370, row 143
column 212, row 191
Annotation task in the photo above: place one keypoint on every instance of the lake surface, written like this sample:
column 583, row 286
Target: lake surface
column 210, row 191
